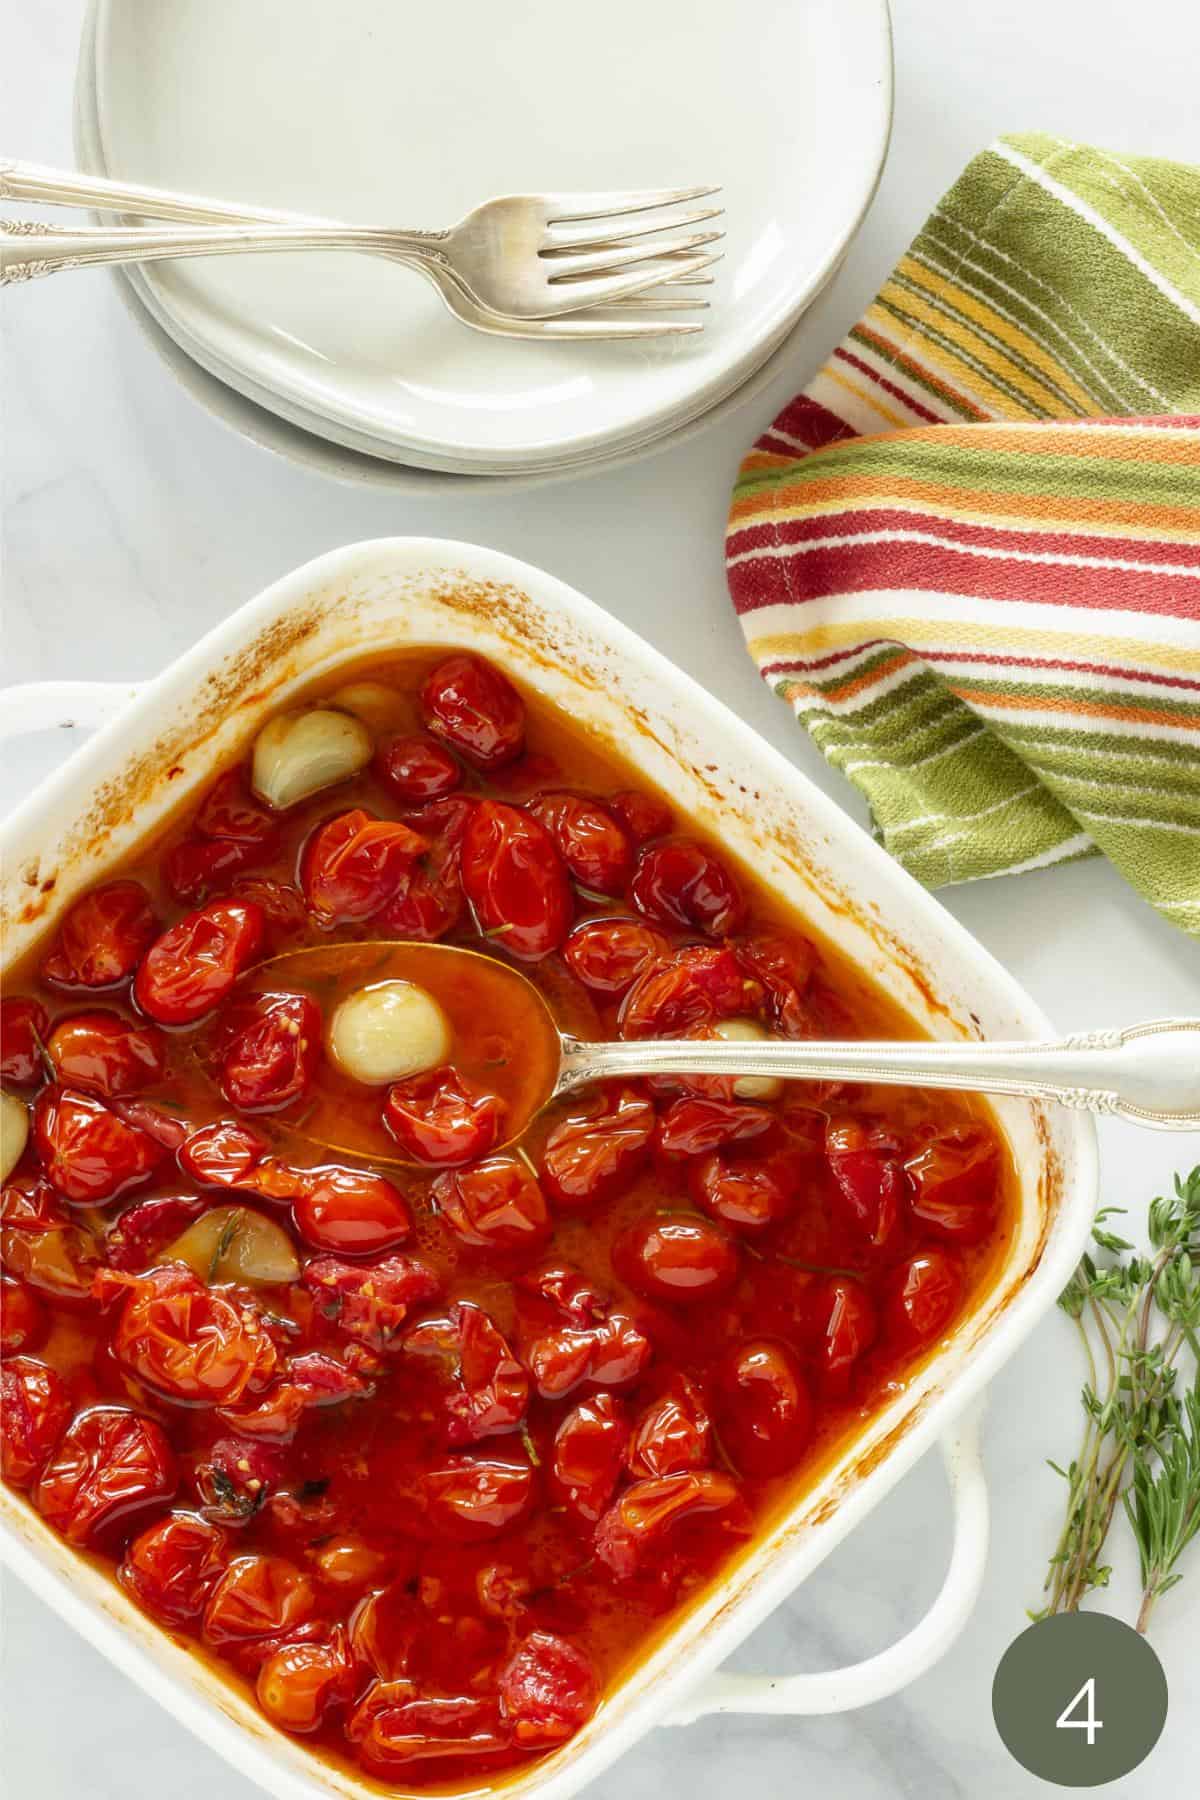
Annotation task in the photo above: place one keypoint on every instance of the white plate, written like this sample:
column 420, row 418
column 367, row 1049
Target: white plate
column 377, row 111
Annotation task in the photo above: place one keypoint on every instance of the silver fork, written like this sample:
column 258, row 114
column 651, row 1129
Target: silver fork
column 529, row 256
column 622, row 318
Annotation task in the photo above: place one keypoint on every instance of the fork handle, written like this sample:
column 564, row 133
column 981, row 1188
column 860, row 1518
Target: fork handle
column 1148, row 1074
column 28, row 251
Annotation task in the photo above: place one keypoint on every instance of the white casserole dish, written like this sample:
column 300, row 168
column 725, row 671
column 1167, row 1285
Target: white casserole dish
column 162, row 742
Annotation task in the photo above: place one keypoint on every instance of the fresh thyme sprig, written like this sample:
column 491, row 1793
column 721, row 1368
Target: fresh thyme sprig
column 1137, row 1316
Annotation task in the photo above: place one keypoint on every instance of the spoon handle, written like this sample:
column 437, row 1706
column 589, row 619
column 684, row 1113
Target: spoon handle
column 1148, row 1074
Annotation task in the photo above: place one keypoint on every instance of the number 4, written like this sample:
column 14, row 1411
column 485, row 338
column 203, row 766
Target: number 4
column 1089, row 1722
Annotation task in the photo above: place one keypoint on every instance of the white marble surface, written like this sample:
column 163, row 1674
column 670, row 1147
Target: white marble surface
column 132, row 522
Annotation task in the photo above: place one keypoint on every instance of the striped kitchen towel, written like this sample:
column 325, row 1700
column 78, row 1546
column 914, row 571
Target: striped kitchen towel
column 968, row 554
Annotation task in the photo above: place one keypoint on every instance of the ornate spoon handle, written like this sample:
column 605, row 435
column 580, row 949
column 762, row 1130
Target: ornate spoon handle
column 1149, row 1074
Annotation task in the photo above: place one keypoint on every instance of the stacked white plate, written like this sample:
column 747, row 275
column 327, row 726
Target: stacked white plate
column 382, row 112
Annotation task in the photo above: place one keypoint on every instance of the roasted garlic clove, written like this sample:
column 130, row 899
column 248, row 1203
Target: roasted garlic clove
column 388, row 1031
column 381, row 708
column 14, row 1132
column 299, row 753
column 749, row 1031
column 233, row 1243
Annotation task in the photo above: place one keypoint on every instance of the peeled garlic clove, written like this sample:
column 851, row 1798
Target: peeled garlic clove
column 381, row 708
column 388, row 1031
column 299, row 753
column 749, row 1087
column 232, row 1243
column 14, row 1132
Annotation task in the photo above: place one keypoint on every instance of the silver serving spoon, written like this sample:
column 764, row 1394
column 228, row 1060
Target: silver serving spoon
column 1148, row 1074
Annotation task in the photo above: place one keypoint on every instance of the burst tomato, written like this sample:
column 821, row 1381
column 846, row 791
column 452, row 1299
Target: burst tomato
column 851, row 1326
column 493, row 1205
column 257, row 1598
column 24, row 1028
column 589, row 1449
column 224, row 1154
column 570, row 1334
column 468, row 1498
column 608, row 955
column 682, row 883
column 695, row 988
column 184, row 1339
column 764, row 1407
column 299, row 1683
column 43, row 1247
column 684, row 1261
column 392, row 1730
column 230, row 832
column 272, row 1052
column 515, row 880
column 33, row 1415
column 472, row 707
column 481, row 1385
column 416, row 769
column 594, row 845
column 746, row 1193
column 644, row 816
column 548, row 1689
column 144, row 1229
column 23, row 1320
column 869, row 1180
column 88, row 1152
column 350, row 1211
column 353, row 864
column 428, row 900
column 102, row 938
column 111, row 1467
column 173, row 1566
column 783, row 967
column 923, row 1297
column 640, row 1523
column 696, row 1126
column 370, row 1303
column 673, row 1433
column 955, row 1179
column 441, row 1119
column 191, row 968
column 102, row 1053
column 592, row 1155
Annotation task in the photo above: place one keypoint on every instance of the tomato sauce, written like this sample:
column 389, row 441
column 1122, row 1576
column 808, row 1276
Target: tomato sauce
column 426, row 1435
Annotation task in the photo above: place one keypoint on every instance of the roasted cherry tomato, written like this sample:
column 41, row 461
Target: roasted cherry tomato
column 391, row 1730
column 439, row 1118
column 33, row 1416
column 695, row 1126
column 924, row 1296
column 416, row 769
column 350, row 1211
column 24, row 1029
column 682, row 883
column 869, row 1179
column 235, row 1476
column 644, row 816
column 313, row 1379
column 764, row 1407
column 594, row 845
column 184, row 1339
column 673, row 1433
column 146, row 1227
column 223, row 1154
column 851, row 1326
column 102, row 1053
column 230, row 832
column 282, row 905
column 493, row 1205
column 111, row 1467
column 428, row 901
column 192, row 967
column 696, row 987
column 23, row 1320
column 272, row 1052
column 482, row 1386
column 955, row 1184
column 592, row 1155
column 353, row 864
column 44, row 1247
column 548, row 1689
column 746, row 1193
column 389, row 1633
column 641, row 1521
column 467, row 1498
column 783, row 967
column 299, row 1683
column 515, row 880
column 608, row 955
column 589, row 1450
column 103, row 937
column 685, row 1261
column 88, row 1152
column 472, row 707
column 173, row 1566
column 570, row 1334
column 370, row 1303
column 258, row 1597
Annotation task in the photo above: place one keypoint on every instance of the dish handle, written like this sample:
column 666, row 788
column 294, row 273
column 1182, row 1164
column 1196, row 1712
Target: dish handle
column 42, row 705
column 841, row 1690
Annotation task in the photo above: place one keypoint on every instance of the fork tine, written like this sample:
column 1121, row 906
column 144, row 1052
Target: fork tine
column 601, row 290
column 568, row 266
column 567, row 209
column 651, row 300
column 581, row 326
column 584, row 239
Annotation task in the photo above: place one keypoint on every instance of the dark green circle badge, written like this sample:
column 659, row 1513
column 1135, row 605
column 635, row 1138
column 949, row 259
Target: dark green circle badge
column 1079, row 1699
